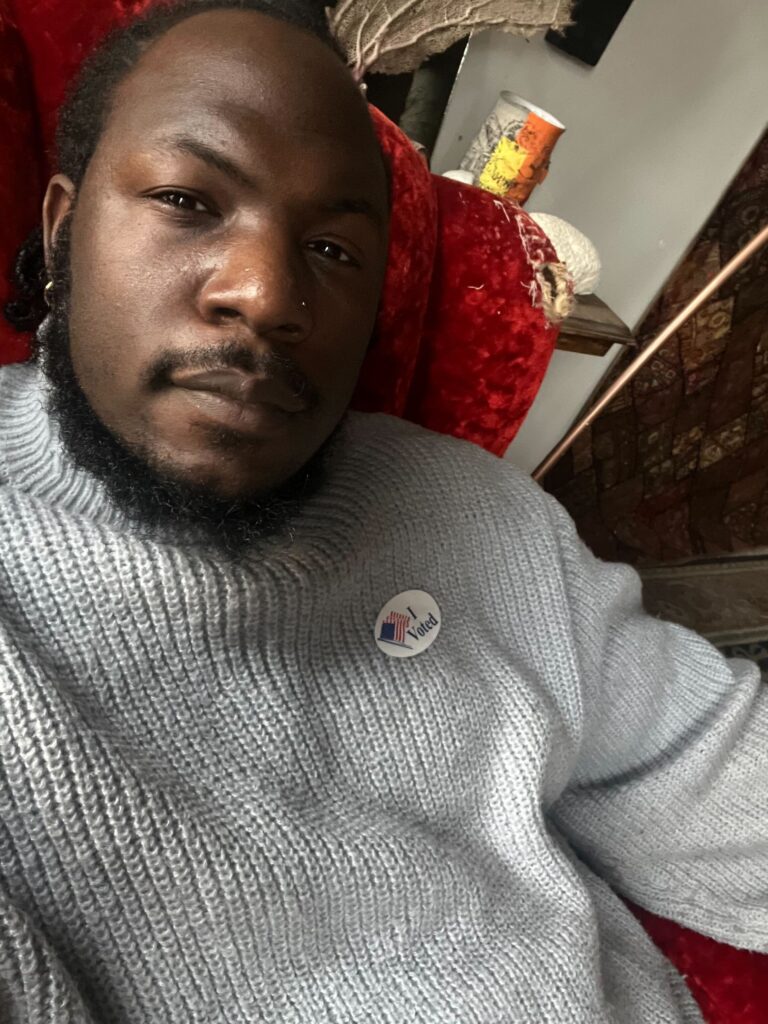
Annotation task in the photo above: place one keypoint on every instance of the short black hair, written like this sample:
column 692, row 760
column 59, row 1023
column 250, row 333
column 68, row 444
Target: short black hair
column 84, row 113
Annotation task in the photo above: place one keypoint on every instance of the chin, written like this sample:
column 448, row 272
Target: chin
column 224, row 468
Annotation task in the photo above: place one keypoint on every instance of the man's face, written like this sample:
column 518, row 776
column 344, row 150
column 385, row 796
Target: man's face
column 228, row 245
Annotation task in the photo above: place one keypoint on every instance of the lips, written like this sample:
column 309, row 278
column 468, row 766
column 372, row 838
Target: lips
column 244, row 388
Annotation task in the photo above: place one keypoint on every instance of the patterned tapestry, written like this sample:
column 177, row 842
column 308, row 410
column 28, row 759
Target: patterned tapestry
column 677, row 466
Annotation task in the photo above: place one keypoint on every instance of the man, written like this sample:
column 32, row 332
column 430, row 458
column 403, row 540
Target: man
column 311, row 717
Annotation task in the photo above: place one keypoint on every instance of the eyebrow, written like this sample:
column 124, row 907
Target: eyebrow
column 361, row 206
column 220, row 162
column 212, row 157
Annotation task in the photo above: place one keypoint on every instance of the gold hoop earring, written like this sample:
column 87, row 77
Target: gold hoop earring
column 48, row 294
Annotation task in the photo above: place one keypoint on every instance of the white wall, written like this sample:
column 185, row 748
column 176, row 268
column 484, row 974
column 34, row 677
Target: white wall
column 654, row 135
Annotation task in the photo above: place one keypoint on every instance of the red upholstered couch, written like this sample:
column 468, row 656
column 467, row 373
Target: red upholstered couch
column 463, row 341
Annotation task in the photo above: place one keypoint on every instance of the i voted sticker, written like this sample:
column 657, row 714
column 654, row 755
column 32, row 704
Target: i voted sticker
column 408, row 624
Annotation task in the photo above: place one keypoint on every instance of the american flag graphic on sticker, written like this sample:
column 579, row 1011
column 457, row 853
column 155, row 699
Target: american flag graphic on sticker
column 394, row 626
column 408, row 624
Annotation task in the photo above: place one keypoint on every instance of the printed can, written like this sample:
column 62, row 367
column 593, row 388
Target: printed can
column 511, row 152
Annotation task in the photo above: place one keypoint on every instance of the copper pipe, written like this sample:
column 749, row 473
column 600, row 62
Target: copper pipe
column 720, row 277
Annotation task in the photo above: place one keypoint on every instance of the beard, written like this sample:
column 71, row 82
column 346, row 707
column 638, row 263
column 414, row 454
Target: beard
column 149, row 494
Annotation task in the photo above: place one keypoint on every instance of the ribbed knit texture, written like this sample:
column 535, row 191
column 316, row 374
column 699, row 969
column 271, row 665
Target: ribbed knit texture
column 221, row 802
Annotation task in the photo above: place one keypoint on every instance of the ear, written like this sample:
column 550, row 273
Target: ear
column 57, row 205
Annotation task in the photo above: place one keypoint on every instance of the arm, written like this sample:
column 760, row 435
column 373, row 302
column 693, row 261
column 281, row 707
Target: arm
column 669, row 798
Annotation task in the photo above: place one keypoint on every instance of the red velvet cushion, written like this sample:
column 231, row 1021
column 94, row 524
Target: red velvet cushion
column 58, row 35
column 487, row 342
column 20, row 168
column 388, row 372
column 463, row 344
column 730, row 985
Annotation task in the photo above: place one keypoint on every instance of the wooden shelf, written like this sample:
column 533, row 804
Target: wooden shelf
column 592, row 328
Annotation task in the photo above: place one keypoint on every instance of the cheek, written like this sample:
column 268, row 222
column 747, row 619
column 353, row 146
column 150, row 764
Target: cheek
column 334, row 361
column 120, row 297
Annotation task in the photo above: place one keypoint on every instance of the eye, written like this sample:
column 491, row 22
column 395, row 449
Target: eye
column 182, row 201
column 332, row 251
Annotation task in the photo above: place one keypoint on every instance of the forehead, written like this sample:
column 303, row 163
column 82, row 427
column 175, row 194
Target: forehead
column 245, row 80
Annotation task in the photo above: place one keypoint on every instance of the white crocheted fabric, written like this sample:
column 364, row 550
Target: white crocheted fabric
column 574, row 249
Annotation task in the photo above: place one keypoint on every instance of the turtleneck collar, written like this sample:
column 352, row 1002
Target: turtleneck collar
column 32, row 455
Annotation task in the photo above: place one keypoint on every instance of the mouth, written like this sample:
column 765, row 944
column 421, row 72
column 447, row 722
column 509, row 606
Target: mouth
column 255, row 406
column 244, row 388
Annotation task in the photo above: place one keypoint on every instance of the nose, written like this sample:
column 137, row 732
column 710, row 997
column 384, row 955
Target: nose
column 255, row 279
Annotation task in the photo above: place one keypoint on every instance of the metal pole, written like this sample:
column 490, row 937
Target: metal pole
column 720, row 277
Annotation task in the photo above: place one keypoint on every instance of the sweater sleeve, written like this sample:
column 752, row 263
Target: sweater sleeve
column 34, row 985
column 668, row 800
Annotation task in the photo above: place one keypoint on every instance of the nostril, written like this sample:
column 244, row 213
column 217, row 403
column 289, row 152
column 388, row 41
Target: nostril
column 226, row 313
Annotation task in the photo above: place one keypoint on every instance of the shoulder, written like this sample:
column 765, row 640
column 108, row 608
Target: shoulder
column 408, row 451
column 448, row 478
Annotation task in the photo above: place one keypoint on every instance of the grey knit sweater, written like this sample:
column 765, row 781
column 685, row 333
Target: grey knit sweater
column 223, row 800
